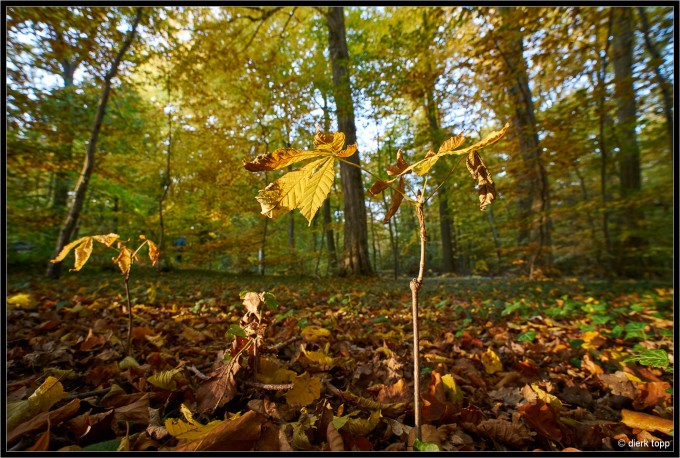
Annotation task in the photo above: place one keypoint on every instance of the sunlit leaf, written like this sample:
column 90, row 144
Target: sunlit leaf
column 286, row 193
column 281, row 158
column 493, row 137
column 420, row 168
column 83, row 252
column 165, row 380
column 317, row 189
column 124, row 259
column 655, row 358
column 106, row 239
column 452, row 143
column 329, row 142
column 154, row 252
column 65, row 251
column 646, row 422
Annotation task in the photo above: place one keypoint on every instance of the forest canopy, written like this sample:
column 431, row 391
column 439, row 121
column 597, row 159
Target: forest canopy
column 584, row 175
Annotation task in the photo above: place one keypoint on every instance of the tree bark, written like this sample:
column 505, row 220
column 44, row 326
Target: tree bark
column 534, row 203
column 630, row 243
column 356, row 257
column 53, row 269
column 62, row 183
column 167, row 181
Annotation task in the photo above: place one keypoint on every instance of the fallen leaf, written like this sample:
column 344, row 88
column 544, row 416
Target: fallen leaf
column 645, row 421
column 306, row 389
column 239, row 434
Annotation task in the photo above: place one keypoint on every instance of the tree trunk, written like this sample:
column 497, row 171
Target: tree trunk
column 167, row 181
column 356, row 257
column 53, row 269
column 534, row 204
column 664, row 86
column 602, row 90
column 326, row 207
column 631, row 243
column 62, row 183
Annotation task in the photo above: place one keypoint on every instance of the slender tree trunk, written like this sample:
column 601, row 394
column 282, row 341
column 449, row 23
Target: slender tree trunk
column 664, row 86
column 356, row 257
column 62, row 183
column 326, row 207
column 602, row 90
column 328, row 230
column 631, row 243
column 494, row 233
column 167, row 181
column 534, row 205
column 261, row 252
column 53, row 269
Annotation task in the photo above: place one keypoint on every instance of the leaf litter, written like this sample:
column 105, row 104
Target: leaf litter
column 333, row 365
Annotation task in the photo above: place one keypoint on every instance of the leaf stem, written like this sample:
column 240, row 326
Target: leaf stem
column 406, row 196
column 129, row 307
column 444, row 180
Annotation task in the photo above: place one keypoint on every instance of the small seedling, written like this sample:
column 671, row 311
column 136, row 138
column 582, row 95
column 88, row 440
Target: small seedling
column 126, row 257
column 307, row 188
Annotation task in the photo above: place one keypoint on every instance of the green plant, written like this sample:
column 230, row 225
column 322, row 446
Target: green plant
column 126, row 257
column 306, row 189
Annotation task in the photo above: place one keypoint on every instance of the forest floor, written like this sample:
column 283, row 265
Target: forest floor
column 506, row 364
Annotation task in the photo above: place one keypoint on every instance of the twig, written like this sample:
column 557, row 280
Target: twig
column 198, row 373
column 280, row 345
column 389, row 409
column 87, row 394
column 270, row 386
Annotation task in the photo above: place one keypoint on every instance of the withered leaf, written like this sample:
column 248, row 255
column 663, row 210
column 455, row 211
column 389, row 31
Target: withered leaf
column 124, row 259
column 397, row 198
column 281, row 158
column 39, row 422
column 505, row 431
column 542, row 419
column 329, row 142
column 154, row 252
column 399, row 167
column 452, row 143
column 379, row 186
column 239, row 434
column 485, row 184
column 218, row 389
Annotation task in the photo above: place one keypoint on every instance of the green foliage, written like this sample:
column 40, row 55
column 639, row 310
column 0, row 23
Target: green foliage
column 420, row 446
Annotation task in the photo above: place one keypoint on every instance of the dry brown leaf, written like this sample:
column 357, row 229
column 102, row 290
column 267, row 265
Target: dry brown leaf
column 485, row 184
column 645, row 421
column 506, row 432
column 137, row 412
column 42, row 444
column 452, row 143
column 379, row 186
column 428, row 433
column 542, row 419
column 39, row 422
column 281, row 158
column 219, row 389
column 651, row 395
column 334, row 438
column 239, row 434
column 397, row 198
column 399, row 167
